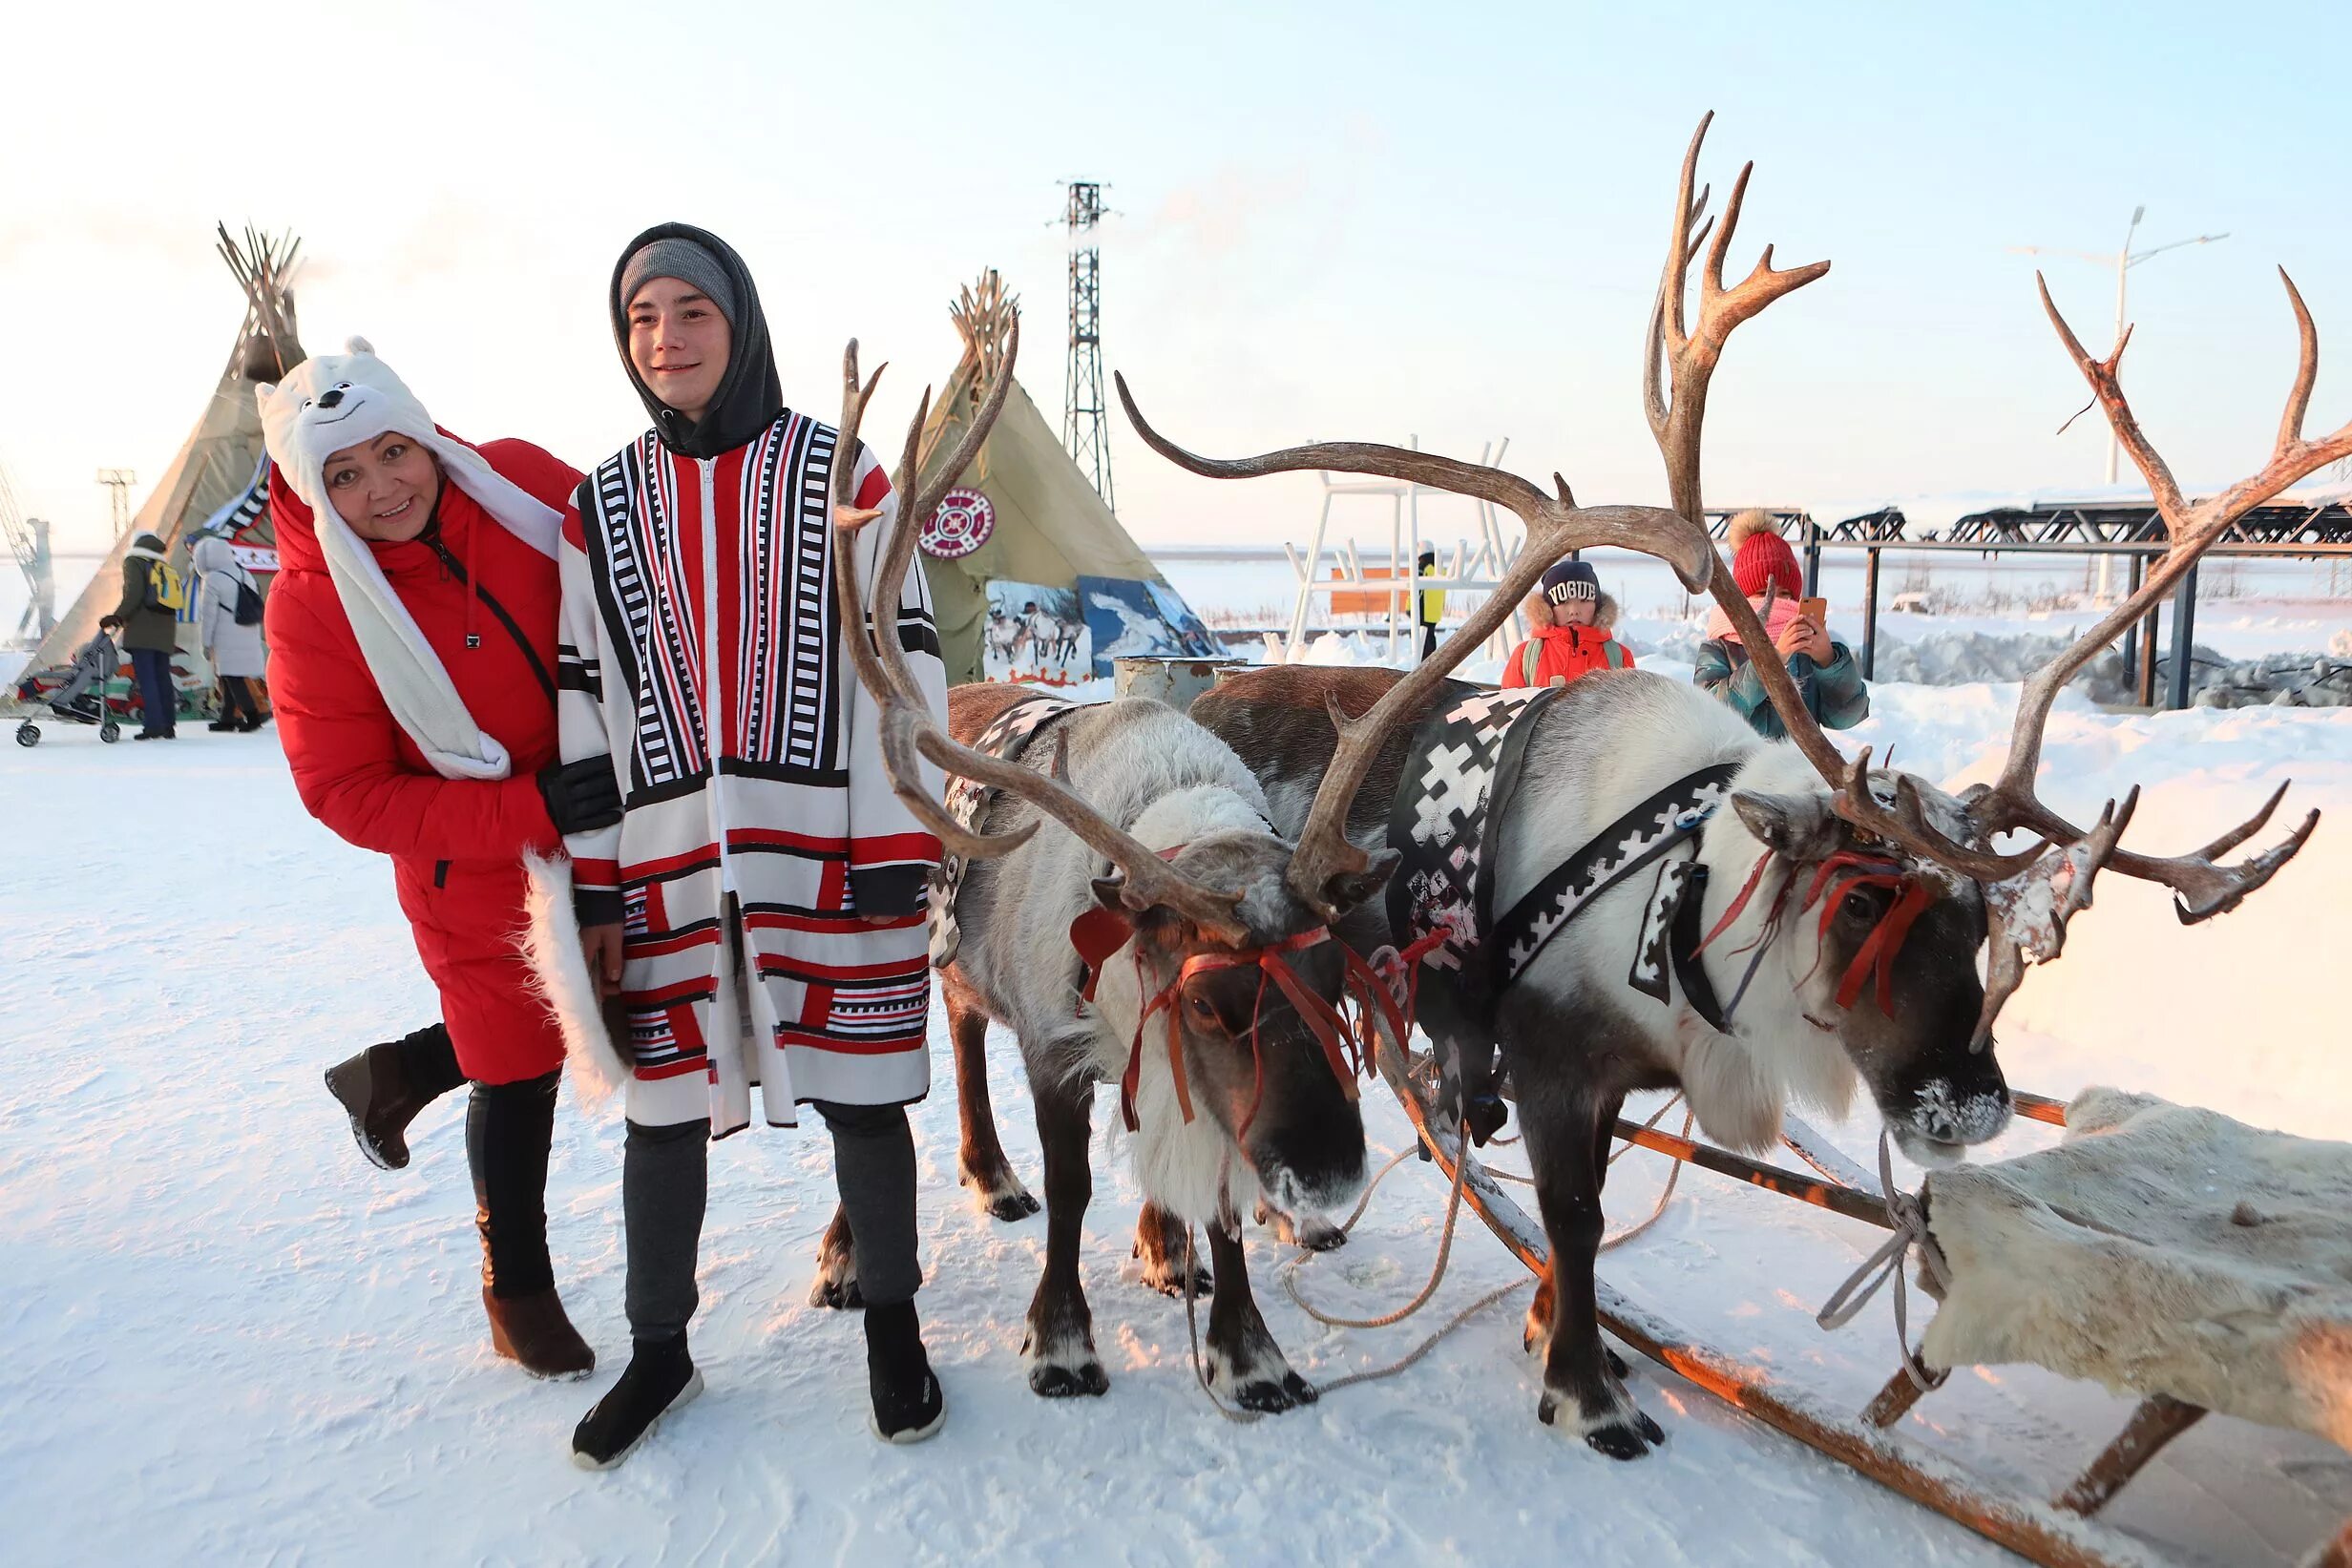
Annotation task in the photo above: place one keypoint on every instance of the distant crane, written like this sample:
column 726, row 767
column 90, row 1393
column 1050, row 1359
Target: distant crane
column 28, row 540
column 118, row 481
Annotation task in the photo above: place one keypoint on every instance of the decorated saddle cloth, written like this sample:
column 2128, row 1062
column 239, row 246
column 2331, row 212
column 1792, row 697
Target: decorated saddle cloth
column 1008, row 736
column 1463, row 771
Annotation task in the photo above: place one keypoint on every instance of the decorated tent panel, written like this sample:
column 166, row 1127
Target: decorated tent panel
column 1031, row 576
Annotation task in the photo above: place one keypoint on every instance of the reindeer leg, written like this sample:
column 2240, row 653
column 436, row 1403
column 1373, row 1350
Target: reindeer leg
column 1603, row 1146
column 1160, row 1243
column 981, row 1164
column 1060, row 1345
column 1581, row 1394
column 1245, row 1363
column 836, row 1281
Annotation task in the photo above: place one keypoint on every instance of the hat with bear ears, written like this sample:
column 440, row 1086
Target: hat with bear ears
column 328, row 404
column 331, row 402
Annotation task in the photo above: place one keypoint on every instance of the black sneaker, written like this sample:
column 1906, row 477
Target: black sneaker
column 907, row 1406
column 659, row 1377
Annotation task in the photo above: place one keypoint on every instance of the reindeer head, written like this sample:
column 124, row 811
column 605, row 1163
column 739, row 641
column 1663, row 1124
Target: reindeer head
column 1245, row 1037
column 1864, row 951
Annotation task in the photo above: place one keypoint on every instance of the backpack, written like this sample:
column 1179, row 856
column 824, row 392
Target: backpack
column 248, row 611
column 163, row 588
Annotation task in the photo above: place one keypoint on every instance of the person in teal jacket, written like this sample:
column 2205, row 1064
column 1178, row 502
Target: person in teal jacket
column 1823, row 668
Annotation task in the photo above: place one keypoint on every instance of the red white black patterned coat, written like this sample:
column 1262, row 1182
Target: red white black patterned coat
column 699, row 648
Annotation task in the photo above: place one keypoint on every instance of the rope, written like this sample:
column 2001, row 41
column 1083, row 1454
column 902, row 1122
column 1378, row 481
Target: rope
column 1910, row 1229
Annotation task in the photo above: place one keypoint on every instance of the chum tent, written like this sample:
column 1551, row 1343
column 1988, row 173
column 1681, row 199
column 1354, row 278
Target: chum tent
column 1031, row 576
column 218, row 483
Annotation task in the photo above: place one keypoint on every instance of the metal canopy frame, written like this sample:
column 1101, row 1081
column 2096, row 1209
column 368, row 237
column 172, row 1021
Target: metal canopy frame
column 2131, row 529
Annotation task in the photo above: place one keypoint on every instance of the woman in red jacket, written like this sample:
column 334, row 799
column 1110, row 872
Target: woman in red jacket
column 412, row 625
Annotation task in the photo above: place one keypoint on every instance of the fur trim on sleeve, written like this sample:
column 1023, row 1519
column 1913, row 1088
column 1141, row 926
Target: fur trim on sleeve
column 559, row 973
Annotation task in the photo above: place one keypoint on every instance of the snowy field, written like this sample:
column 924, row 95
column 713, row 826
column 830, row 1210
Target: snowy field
column 225, row 1338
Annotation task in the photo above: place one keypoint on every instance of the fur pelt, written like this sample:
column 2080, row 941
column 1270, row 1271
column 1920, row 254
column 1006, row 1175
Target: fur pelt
column 2160, row 1249
column 559, row 973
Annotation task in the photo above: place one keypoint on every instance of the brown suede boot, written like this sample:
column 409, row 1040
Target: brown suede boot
column 534, row 1330
column 385, row 1086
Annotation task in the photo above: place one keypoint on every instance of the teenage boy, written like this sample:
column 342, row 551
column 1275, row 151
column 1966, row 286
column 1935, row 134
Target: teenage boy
column 758, row 914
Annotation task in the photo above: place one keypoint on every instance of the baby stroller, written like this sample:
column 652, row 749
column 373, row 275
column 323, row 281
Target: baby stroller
column 75, row 694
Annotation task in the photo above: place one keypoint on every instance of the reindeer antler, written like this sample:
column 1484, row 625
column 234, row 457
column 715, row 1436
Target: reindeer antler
column 2202, row 888
column 1554, row 528
column 908, row 729
column 1688, row 359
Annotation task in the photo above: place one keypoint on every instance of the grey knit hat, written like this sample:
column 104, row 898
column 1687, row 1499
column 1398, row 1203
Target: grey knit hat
column 685, row 261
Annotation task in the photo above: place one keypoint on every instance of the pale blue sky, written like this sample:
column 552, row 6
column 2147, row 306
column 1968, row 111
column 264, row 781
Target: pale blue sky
column 1361, row 221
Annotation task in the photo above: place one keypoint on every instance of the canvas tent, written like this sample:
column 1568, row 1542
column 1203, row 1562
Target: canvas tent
column 216, row 482
column 1053, row 588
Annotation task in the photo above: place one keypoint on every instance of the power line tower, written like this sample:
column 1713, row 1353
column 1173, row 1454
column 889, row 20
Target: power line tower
column 1085, row 427
column 118, row 481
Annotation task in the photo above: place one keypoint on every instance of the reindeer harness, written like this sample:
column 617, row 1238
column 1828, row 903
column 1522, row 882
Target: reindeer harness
column 1465, row 769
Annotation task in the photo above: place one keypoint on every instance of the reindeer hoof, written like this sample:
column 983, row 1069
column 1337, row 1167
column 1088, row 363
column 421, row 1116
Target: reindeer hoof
column 1087, row 1380
column 1271, row 1397
column 1000, row 1194
column 1620, row 1442
column 1166, row 1276
column 835, row 1285
column 1616, row 1365
column 1621, row 1434
column 840, row 1295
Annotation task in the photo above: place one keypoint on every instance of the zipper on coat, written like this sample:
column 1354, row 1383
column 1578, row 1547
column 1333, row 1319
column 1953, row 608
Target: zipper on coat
column 441, row 873
column 448, row 563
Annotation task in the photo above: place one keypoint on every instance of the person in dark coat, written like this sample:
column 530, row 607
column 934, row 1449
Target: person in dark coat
column 150, row 633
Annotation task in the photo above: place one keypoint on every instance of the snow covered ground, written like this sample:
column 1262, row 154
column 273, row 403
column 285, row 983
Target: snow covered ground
column 223, row 1337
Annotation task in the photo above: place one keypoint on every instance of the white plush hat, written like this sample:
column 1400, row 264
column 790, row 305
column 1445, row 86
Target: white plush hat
column 334, row 402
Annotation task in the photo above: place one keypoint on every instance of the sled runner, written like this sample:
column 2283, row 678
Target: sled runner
column 2062, row 1532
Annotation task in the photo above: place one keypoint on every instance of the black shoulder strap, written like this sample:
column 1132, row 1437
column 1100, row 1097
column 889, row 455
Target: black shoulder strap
column 1689, row 971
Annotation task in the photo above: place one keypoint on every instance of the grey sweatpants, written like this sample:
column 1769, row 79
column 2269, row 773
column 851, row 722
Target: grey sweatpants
column 664, row 1187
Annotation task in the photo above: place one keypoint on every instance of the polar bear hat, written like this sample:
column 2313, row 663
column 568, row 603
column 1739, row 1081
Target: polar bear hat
column 333, row 402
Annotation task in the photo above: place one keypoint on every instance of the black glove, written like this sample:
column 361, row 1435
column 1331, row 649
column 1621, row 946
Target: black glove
column 582, row 796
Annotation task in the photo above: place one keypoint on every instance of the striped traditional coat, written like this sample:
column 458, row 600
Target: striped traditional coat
column 700, row 649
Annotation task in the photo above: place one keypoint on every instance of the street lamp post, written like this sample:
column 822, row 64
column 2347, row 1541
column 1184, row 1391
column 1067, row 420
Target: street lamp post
column 2122, row 261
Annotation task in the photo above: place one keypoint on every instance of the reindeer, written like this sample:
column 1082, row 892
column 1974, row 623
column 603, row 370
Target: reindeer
column 1854, row 901
column 1210, row 988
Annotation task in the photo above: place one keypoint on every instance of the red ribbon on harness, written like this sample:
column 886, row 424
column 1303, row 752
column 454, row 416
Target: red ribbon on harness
column 1840, row 875
column 1099, row 933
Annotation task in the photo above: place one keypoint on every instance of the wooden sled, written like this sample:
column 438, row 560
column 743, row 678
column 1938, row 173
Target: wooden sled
column 2063, row 1532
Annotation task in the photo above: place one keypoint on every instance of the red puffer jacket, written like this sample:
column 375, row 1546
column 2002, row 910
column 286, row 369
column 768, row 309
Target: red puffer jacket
column 485, row 602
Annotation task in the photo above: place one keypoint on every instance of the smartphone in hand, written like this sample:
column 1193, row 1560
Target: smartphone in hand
column 1815, row 611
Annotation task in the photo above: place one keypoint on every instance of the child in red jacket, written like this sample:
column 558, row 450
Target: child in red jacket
column 413, row 628
column 1576, row 642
